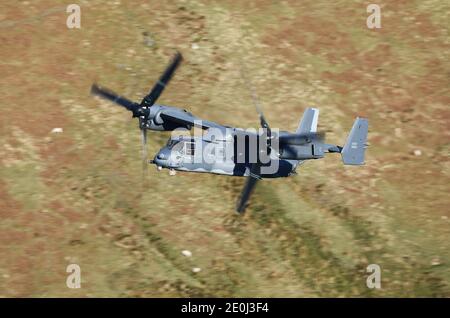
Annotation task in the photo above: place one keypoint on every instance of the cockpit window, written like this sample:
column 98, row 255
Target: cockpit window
column 172, row 143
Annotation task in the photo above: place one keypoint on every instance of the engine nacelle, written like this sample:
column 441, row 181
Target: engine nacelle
column 156, row 122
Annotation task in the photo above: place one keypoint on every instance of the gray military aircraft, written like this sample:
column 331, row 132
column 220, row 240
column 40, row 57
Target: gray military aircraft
column 266, row 153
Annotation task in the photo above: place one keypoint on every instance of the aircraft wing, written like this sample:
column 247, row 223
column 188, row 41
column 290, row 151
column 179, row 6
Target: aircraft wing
column 186, row 118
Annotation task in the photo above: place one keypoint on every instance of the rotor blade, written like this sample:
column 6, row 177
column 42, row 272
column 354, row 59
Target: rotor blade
column 250, row 184
column 262, row 119
column 158, row 88
column 144, row 151
column 255, row 99
column 267, row 134
column 112, row 96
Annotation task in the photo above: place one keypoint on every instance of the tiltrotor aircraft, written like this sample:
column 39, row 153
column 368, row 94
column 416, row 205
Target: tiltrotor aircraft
column 266, row 153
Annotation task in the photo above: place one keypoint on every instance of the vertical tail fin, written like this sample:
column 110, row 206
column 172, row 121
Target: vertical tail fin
column 355, row 146
column 309, row 121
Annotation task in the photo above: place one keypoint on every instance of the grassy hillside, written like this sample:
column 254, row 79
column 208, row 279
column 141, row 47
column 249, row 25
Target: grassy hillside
column 78, row 196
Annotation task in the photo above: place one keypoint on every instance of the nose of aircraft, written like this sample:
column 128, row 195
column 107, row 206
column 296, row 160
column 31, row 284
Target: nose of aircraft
column 161, row 158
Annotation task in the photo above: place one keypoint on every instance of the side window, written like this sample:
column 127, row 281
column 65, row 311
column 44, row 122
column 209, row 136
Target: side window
column 189, row 148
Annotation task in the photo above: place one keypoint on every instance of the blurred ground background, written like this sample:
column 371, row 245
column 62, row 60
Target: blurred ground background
column 78, row 197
